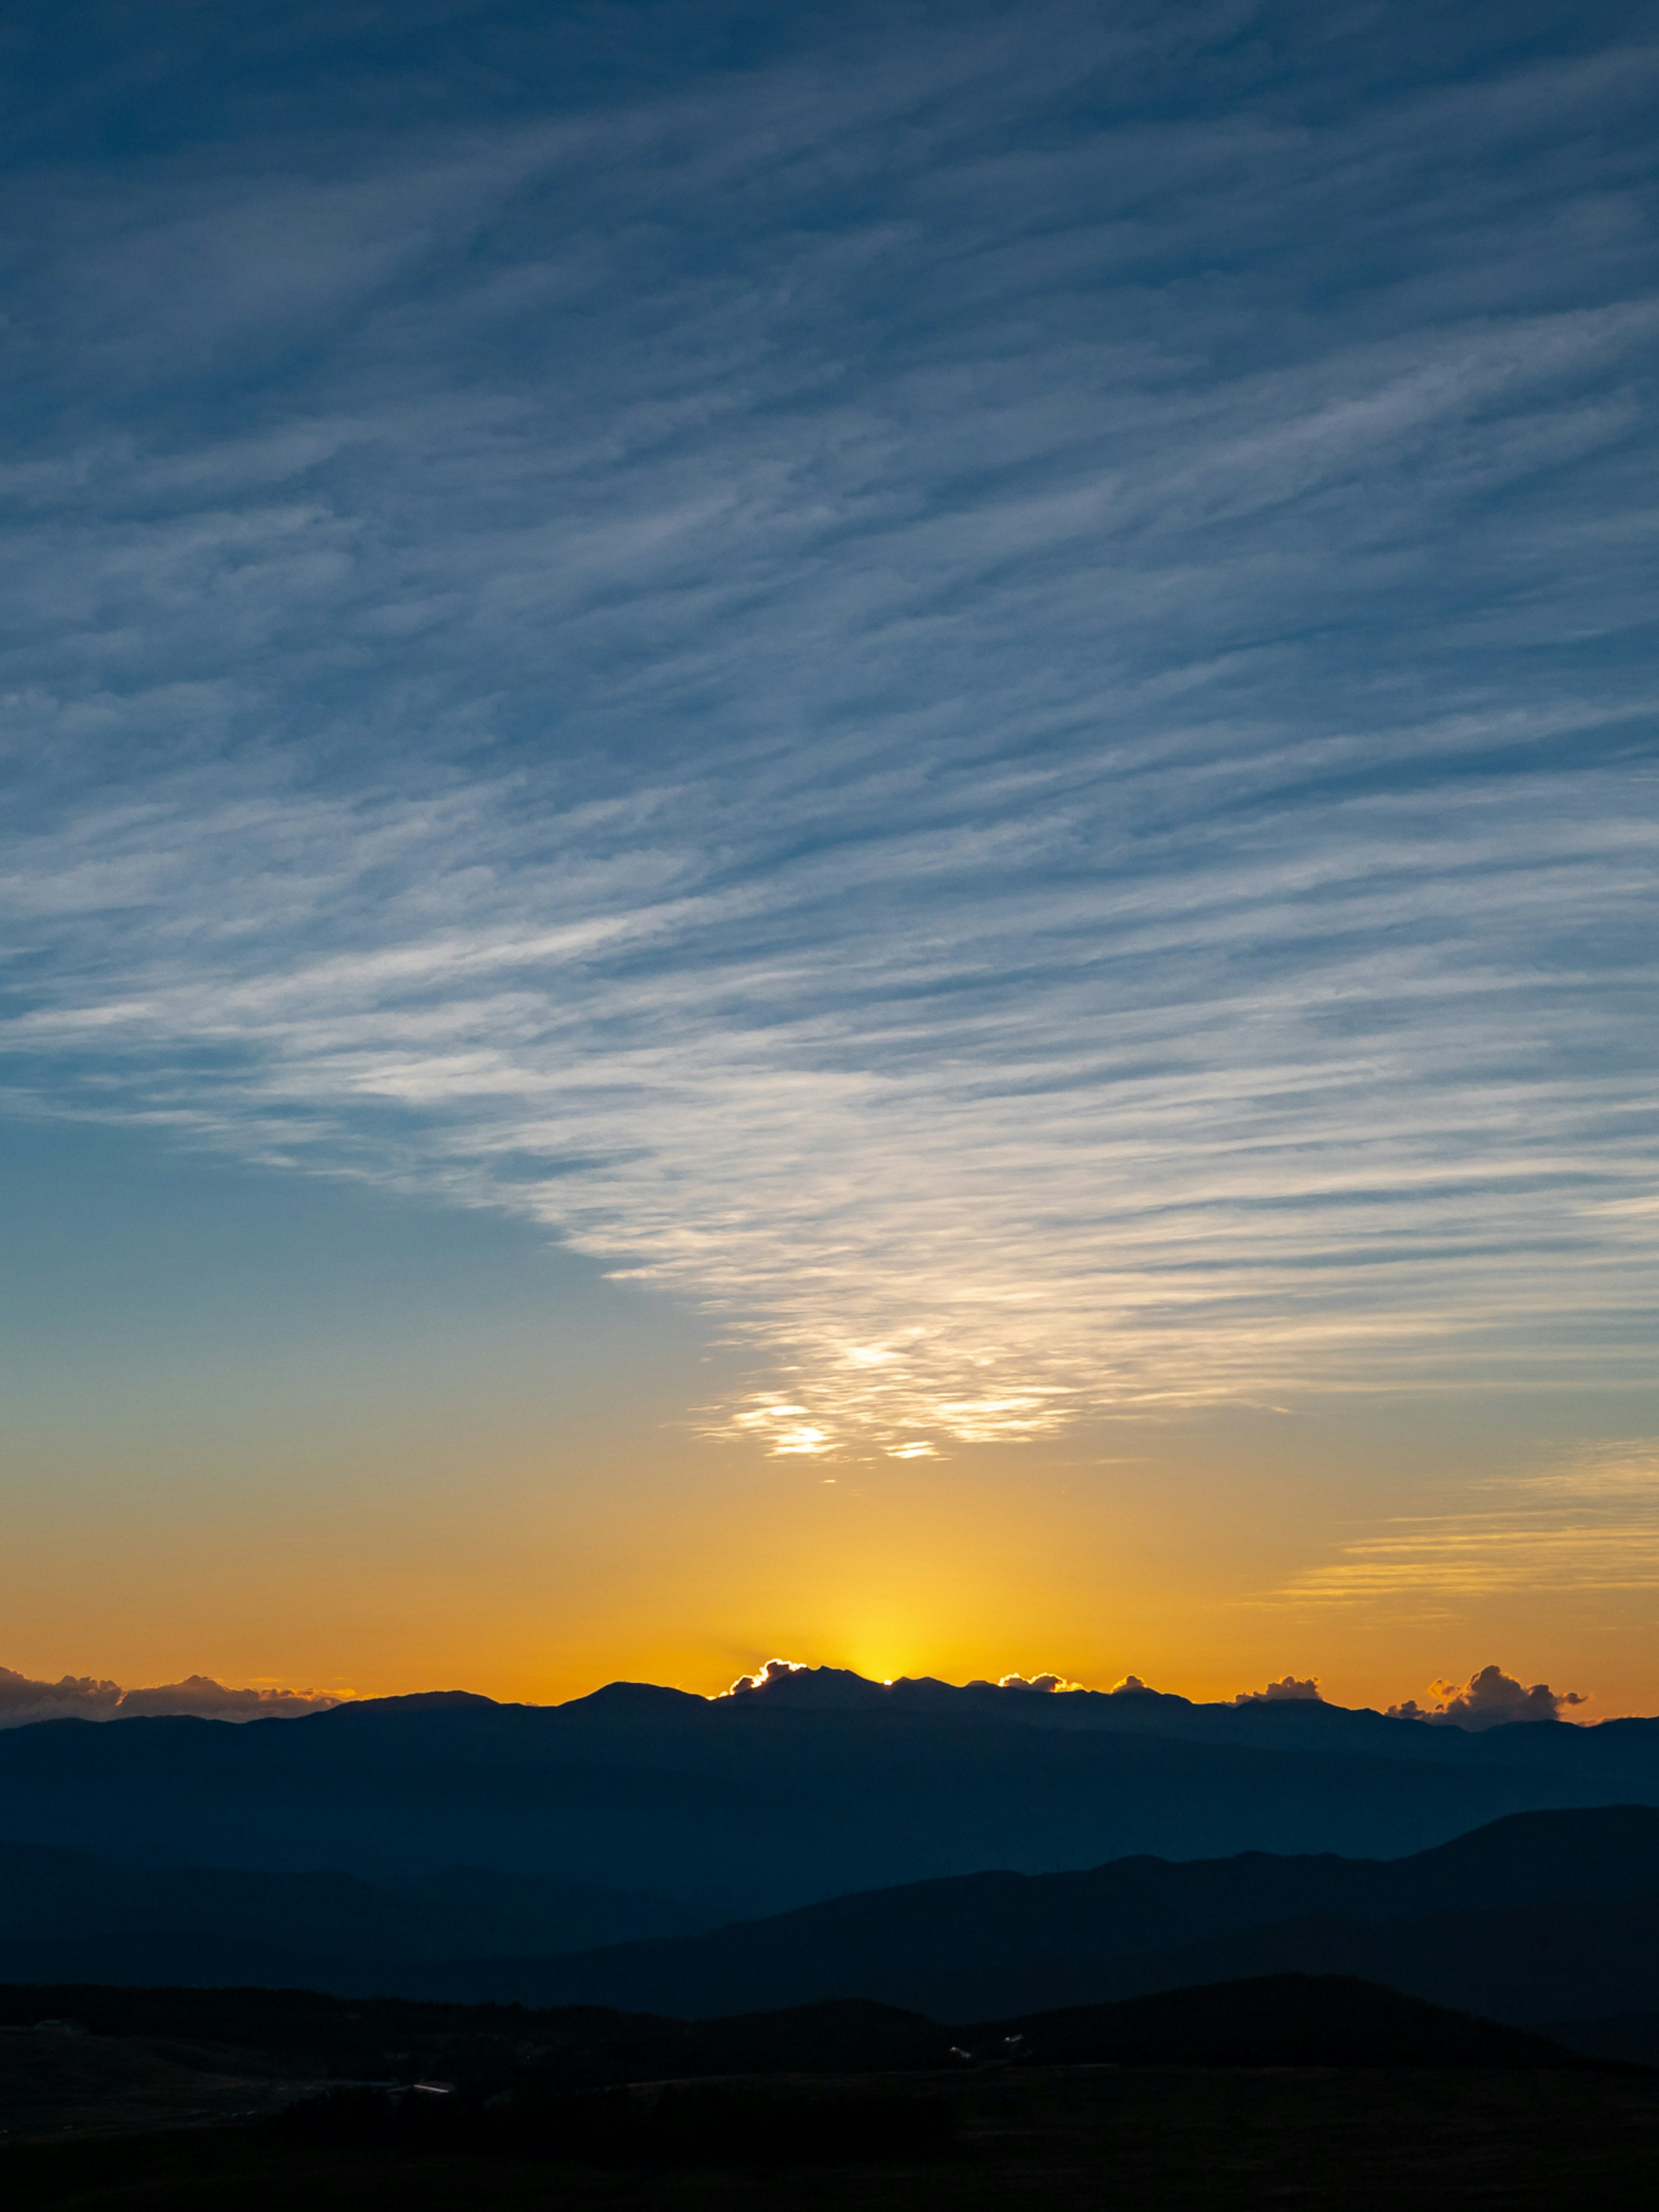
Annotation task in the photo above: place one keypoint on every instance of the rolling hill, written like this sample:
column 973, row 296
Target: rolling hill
column 1537, row 1916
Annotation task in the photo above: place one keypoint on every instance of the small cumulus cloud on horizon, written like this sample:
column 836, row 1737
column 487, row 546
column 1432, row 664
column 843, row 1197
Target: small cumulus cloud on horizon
column 1490, row 1699
column 84, row 1697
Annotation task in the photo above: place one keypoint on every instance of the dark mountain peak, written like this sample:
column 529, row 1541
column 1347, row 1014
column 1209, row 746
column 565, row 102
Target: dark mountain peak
column 624, row 1700
column 927, row 1693
column 1580, row 1851
column 417, row 1701
column 1269, row 2019
column 781, row 1682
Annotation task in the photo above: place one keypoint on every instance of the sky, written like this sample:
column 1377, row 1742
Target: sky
column 829, row 831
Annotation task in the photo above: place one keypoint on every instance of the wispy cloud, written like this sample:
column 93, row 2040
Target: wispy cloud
column 1590, row 1524
column 1625, row 1472
column 1009, row 745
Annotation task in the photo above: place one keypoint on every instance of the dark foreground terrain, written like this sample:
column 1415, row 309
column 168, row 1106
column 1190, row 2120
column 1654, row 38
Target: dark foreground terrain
column 1291, row 2090
column 1053, row 2138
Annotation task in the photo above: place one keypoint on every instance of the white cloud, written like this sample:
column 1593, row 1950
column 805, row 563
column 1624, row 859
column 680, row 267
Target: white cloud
column 797, row 694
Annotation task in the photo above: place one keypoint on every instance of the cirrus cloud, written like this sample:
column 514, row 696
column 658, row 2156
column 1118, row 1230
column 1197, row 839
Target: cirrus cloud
column 911, row 708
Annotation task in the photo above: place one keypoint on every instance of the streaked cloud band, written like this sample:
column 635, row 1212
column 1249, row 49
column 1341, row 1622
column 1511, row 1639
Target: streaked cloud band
column 870, row 699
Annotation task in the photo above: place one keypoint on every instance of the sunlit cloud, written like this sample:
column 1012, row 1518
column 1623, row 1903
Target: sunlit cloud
column 1035, row 842
column 1287, row 1690
column 947, row 1214
column 1490, row 1699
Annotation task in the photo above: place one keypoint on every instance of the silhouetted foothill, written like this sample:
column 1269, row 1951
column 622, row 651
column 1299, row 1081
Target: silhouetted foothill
column 1282, row 2020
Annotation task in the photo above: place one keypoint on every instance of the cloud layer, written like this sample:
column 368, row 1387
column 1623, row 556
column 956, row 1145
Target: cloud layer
column 82, row 1697
column 993, row 722
column 1490, row 1699
column 1591, row 1524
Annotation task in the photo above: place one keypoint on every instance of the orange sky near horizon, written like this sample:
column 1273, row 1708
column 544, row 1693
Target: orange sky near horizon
column 1205, row 1555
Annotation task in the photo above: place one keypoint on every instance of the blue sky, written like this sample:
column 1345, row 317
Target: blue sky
column 970, row 688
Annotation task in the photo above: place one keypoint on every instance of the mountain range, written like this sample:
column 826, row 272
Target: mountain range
column 815, row 1784
column 657, row 1852
column 1539, row 1918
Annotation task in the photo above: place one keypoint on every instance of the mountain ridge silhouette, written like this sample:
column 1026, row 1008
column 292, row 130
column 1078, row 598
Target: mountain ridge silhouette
column 772, row 1799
